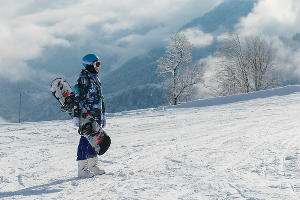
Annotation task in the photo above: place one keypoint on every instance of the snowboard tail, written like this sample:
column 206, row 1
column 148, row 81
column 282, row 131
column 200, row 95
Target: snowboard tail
column 104, row 143
column 97, row 137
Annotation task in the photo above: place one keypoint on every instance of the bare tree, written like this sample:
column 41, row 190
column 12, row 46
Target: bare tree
column 244, row 68
column 260, row 56
column 177, row 68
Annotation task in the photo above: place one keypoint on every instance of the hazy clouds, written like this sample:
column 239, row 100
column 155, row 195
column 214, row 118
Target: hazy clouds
column 198, row 38
column 124, row 27
column 273, row 17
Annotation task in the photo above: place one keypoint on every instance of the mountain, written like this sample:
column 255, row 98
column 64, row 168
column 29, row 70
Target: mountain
column 37, row 102
column 134, row 73
column 140, row 71
column 134, row 85
column 223, row 17
column 145, row 96
column 297, row 37
column 236, row 147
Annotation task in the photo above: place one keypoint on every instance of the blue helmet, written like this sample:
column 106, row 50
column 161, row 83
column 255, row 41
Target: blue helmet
column 89, row 59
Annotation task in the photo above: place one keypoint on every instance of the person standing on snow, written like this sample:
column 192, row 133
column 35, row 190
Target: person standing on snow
column 89, row 108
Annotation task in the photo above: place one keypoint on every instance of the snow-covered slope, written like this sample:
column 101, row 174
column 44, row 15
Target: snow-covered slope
column 238, row 147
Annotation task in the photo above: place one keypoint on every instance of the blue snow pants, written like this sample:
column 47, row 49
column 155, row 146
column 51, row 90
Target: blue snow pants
column 85, row 149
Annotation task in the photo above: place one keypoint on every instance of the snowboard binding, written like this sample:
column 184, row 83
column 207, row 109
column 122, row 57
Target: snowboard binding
column 69, row 102
column 88, row 127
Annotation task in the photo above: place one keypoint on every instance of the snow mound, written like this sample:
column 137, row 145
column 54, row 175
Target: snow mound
column 244, row 150
column 281, row 91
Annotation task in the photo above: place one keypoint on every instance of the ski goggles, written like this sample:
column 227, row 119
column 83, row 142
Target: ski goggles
column 95, row 63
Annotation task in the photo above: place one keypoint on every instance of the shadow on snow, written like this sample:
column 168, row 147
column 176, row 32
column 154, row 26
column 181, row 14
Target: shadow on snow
column 38, row 190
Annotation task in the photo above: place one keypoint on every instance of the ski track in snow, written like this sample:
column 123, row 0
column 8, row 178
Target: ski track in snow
column 240, row 150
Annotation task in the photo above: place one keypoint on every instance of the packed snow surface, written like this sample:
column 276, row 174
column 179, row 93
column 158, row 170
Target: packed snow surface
column 238, row 147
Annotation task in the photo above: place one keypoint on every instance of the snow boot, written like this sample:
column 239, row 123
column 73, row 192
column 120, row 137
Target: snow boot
column 92, row 166
column 83, row 171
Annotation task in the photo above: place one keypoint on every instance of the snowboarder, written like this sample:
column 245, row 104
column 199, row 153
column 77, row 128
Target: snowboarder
column 89, row 112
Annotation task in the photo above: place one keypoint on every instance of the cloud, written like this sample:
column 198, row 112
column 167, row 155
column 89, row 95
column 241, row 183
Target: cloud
column 198, row 38
column 29, row 27
column 22, row 40
column 272, row 17
column 288, row 58
column 209, row 65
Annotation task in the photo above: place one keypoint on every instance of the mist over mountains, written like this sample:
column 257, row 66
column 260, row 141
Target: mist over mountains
column 132, row 85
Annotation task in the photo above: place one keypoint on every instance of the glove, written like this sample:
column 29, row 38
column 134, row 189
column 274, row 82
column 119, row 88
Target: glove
column 75, row 121
column 103, row 121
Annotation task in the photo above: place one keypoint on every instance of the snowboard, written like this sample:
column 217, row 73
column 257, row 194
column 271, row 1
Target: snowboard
column 64, row 94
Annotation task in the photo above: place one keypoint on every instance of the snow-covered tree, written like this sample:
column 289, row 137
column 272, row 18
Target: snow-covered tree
column 177, row 69
column 260, row 56
column 246, row 67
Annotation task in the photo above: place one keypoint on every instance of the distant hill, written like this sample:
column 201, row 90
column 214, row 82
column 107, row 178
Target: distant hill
column 134, row 73
column 223, row 17
column 297, row 37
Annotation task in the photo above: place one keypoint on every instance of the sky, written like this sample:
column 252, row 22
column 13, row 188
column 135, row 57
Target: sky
column 120, row 30
column 125, row 28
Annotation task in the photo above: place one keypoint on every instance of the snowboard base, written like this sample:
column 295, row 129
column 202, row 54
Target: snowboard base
column 104, row 144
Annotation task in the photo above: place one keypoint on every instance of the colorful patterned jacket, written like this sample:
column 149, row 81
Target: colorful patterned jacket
column 88, row 96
